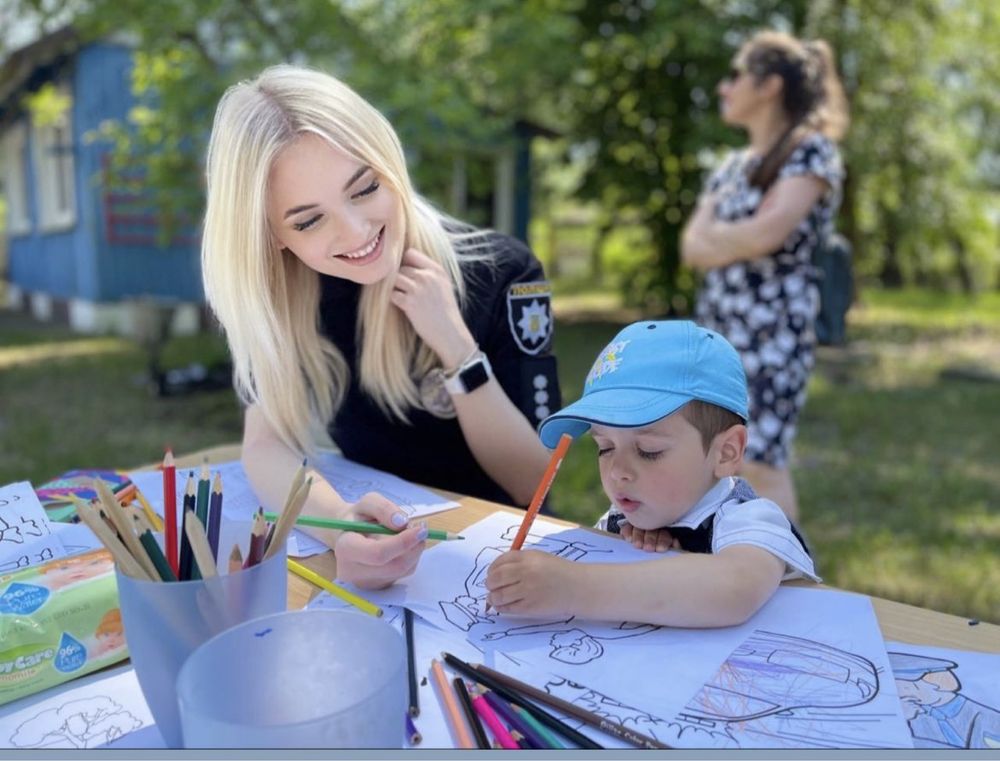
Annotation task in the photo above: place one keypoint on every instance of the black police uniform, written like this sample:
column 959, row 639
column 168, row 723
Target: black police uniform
column 508, row 312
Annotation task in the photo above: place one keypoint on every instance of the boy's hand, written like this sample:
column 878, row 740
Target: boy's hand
column 658, row 540
column 531, row 582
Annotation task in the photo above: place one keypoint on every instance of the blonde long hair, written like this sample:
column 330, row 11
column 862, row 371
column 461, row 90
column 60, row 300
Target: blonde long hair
column 267, row 301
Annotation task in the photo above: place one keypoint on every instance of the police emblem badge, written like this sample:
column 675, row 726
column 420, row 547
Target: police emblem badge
column 529, row 313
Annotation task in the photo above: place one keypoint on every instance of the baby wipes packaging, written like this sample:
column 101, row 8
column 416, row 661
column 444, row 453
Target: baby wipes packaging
column 58, row 621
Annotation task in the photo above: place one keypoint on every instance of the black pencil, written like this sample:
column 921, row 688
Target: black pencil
column 517, row 699
column 482, row 742
column 411, row 668
column 186, row 559
column 570, row 709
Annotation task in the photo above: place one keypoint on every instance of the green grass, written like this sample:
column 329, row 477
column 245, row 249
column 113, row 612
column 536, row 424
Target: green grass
column 896, row 460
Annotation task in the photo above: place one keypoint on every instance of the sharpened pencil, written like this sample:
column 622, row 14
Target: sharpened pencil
column 235, row 559
column 170, row 510
column 450, row 705
column 465, row 700
column 411, row 667
column 335, row 589
column 361, row 527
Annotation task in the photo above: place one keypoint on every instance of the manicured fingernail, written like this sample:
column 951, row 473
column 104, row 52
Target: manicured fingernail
column 422, row 532
column 399, row 519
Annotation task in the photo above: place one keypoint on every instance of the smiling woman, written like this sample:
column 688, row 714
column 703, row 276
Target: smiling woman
column 356, row 312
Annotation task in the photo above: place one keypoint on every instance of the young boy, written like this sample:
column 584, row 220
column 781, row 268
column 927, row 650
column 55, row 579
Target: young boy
column 666, row 404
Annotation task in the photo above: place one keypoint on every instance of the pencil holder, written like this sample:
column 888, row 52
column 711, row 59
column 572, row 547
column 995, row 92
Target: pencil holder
column 299, row 679
column 166, row 622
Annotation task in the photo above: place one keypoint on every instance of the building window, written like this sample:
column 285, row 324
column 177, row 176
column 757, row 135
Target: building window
column 14, row 175
column 52, row 151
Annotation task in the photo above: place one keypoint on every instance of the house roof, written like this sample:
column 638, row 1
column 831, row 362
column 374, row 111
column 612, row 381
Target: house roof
column 31, row 65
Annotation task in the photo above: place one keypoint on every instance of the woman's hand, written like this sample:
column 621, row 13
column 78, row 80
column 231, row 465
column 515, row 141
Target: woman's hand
column 426, row 295
column 656, row 540
column 374, row 561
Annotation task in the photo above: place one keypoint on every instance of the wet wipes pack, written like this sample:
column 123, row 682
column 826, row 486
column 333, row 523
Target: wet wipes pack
column 58, row 621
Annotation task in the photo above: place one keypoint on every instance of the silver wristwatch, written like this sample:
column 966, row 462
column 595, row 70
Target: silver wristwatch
column 470, row 375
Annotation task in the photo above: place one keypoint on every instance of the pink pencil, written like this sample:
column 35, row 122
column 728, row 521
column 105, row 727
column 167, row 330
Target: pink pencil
column 496, row 726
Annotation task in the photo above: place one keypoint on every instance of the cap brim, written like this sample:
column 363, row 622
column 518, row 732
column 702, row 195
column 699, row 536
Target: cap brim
column 619, row 408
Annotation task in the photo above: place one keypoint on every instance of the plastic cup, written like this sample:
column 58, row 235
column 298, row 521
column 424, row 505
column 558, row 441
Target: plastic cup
column 299, row 679
column 166, row 621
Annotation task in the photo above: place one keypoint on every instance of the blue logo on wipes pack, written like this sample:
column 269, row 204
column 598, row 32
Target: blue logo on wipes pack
column 72, row 654
column 22, row 599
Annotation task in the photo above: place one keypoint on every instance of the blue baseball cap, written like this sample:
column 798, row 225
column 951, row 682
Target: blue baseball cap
column 648, row 371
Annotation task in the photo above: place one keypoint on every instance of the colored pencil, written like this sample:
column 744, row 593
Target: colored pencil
column 124, row 525
column 147, row 510
column 476, row 675
column 126, row 563
column 156, row 555
column 550, row 739
column 140, row 524
column 170, row 510
column 284, row 523
column 297, row 479
column 570, row 709
column 361, row 527
column 506, row 712
column 335, row 589
column 235, row 559
column 187, row 506
column 258, row 534
column 543, row 488
column 492, row 721
column 204, row 485
column 215, row 515
column 482, row 741
column 411, row 668
column 195, row 532
column 412, row 733
column 459, row 730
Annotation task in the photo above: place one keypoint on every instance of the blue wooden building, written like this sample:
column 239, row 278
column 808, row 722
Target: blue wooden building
column 77, row 250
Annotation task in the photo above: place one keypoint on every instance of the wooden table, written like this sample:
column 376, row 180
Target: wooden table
column 898, row 621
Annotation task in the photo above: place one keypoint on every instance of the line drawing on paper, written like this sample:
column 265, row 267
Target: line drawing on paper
column 469, row 609
column 82, row 723
column 23, row 561
column 27, row 529
column 573, row 644
column 774, row 691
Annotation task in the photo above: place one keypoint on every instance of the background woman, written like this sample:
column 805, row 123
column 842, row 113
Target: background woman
column 756, row 225
column 356, row 312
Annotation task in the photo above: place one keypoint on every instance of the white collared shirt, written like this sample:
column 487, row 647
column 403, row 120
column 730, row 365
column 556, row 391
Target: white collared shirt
column 758, row 522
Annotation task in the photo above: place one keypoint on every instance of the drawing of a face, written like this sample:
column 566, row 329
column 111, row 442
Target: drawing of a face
column 656, row 473
column 575, row 646
column 932, row 689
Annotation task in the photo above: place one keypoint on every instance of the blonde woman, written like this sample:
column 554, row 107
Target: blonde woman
column 356, row 312
column 761, row 216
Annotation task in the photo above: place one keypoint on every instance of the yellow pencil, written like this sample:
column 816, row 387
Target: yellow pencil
column 335, row 589
column 151, row 516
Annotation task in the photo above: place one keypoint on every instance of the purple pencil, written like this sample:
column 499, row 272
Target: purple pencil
column 215, row 516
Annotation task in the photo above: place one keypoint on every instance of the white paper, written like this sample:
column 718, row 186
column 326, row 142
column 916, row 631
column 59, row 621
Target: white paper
column 25, row 536
column 950, row 698
column 448, row 590
column 76, row 537
column 107, row 707
column 350, row 479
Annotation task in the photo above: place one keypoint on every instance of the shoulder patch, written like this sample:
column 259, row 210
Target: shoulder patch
column 529, row 314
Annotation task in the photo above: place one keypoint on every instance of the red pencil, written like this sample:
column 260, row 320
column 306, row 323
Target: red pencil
column 170, row 510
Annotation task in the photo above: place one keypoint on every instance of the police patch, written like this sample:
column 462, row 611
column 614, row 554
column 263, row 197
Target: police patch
column 529, row 314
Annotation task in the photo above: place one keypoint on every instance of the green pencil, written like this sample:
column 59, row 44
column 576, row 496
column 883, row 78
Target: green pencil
column 360, row 526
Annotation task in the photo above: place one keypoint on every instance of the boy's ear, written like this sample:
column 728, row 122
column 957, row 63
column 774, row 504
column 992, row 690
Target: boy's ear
column 729, row 446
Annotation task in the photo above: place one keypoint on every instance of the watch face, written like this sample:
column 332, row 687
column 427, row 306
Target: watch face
column 435, row 398
column 474, row 376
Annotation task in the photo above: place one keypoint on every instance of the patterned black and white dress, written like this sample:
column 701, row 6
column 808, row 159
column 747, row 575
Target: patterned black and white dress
column 767, row 306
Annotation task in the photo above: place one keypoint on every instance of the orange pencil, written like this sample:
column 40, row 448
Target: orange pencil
column 543, row 488
column 450, row 705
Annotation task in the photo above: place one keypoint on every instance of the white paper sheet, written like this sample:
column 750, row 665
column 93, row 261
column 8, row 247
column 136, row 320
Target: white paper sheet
column 25, row 536
column 950, row 698
column 448, row 590
column 102, row 708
